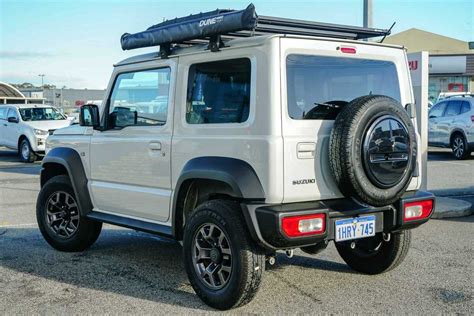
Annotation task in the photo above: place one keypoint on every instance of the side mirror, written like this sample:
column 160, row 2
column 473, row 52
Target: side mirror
column 122, row 117
column 13, row 119
column 89, row 116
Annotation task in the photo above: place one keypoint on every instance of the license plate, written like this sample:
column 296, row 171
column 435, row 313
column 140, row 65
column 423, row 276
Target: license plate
column 353, row 228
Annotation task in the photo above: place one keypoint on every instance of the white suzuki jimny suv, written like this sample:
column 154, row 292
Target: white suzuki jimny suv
column 243, row 136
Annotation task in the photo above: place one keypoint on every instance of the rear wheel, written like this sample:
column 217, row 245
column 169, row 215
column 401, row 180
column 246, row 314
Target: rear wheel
column 60, row 220
column 26, row 152
column 376, row 254
column 460, row 147
column 223, row 264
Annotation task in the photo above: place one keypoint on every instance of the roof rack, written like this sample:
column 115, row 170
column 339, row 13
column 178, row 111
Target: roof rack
column 217, row 26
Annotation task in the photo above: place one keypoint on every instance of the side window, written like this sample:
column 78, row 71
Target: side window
column 454, row 108
column 438, row 110
column 219, row 92
column 466, row 107
column 3, row 113
column 140, row 99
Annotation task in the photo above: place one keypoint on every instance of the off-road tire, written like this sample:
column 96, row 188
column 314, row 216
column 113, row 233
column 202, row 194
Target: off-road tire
column 346, row 149
column 87, row 231
column 390, row 254
column 248, row 260
column 30, row 156
column 460, row 147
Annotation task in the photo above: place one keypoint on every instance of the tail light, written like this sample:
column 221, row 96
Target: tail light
column 304, row 225
column 472, row 118
column 413, row 211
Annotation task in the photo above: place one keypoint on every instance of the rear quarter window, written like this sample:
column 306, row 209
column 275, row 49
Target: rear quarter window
column 219, row 92
column 3, row 113
column 466, row 107
column 319, row 86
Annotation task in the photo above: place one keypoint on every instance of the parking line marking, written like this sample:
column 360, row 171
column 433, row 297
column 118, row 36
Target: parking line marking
column 452, row 162
column 18, row 225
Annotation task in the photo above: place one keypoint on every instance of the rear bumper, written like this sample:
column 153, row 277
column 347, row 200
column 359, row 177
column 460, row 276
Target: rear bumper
column 264, row 221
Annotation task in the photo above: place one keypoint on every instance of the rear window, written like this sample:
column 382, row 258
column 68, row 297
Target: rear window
column 319, row 86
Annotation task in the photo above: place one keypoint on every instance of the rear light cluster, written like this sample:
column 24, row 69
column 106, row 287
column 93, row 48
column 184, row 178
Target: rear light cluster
column 413, row 211
column 472, row 118
column 304, row 225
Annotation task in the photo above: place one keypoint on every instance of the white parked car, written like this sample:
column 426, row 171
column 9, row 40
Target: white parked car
column 451, row 125
column 25, row 127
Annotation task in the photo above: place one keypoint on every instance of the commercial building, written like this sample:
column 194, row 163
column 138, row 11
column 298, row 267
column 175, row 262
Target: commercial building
column 451, row 63
column 64, row 98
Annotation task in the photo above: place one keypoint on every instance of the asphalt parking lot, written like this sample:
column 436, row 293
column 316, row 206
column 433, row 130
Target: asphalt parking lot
column 130, row 272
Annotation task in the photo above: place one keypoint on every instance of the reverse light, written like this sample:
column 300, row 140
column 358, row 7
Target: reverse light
column 413, row 211
column 304, row 225
column 348, row 50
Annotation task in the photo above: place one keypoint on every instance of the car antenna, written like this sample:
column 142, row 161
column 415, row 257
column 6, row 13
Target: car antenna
column 387, row 33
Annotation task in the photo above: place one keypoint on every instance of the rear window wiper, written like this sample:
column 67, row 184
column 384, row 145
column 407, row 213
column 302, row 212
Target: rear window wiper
column 328, row 105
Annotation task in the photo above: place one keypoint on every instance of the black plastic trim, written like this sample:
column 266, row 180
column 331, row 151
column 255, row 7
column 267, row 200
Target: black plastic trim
column 148, row 227
column 266, row 227
column 70, row 159
column 236, row 173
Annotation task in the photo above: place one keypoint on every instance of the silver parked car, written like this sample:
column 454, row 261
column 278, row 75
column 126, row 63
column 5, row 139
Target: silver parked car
column 451, row 124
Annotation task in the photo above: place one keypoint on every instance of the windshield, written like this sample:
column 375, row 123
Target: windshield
column 319, row 86
column 41, row 114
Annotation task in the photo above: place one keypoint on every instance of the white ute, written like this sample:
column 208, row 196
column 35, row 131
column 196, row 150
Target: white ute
column 25, row 128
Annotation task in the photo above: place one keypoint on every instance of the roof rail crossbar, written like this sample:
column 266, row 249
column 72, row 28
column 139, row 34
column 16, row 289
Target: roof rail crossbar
column 217, row 26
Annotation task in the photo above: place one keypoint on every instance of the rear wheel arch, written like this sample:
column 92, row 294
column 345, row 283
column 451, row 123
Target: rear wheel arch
column 194, row 192
column 454, row 133
column 209, row 178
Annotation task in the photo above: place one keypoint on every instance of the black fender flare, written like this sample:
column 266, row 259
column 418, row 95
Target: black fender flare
column 237, row 174
column 71, row 161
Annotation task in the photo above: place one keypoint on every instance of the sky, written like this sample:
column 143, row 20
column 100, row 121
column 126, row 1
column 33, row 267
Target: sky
column 75, row 43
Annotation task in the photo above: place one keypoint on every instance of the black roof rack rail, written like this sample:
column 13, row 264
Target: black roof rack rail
column 217, row 26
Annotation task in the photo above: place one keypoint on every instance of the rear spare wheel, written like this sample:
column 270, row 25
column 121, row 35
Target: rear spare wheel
column 372, row 150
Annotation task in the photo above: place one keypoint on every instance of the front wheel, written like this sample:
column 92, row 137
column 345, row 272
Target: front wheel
column 376, row 254
column 60, row 220
column 223, row 264
column 26, row 152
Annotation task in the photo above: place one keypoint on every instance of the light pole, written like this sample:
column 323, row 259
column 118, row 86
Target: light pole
column 367, row 13
column 42, row 80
